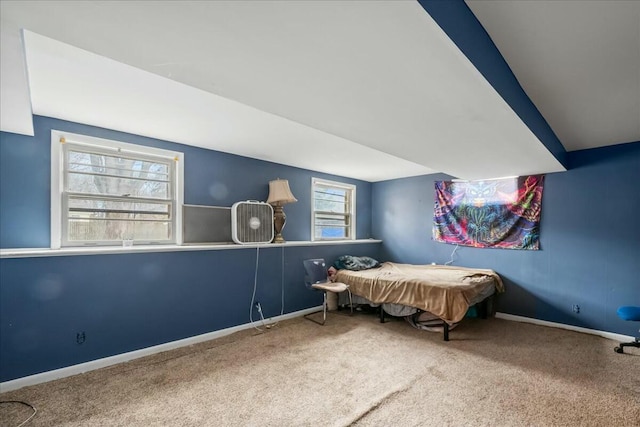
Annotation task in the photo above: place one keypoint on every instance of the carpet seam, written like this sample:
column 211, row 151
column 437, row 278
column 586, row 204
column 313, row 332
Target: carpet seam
column 385, row 399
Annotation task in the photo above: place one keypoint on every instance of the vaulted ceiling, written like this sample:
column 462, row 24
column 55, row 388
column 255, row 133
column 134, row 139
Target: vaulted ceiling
column 370, row 90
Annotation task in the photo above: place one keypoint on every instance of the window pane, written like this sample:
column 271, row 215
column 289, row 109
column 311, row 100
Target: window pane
column 331, row 226
column 329, row 206
column 330, row 199
column 95, row 219
column 330, row 232
column 113, row 165
column 112, row 186
column 329, row 219
column 108, row 175
column 117, row 230
column 111, row 209
column 331, row 193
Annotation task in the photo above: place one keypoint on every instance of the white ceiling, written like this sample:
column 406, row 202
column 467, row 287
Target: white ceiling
column 579, row 62
column 374, row 89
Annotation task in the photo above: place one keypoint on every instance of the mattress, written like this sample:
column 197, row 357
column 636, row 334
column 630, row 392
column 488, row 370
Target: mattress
column 445, row 291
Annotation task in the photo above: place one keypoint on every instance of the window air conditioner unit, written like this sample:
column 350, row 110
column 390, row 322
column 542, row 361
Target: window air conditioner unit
column 251, row 222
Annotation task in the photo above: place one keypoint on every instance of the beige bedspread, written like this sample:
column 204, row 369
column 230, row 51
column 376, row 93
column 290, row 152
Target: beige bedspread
column 442, row 290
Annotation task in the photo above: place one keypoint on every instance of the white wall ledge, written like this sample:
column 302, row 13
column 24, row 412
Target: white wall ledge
column 106, row 250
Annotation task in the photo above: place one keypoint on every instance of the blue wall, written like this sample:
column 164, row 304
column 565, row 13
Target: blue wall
column 125, row 302
column 211, row 178
column 589, row 237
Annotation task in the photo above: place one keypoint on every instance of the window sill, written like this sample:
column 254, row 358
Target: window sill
column 46, row 252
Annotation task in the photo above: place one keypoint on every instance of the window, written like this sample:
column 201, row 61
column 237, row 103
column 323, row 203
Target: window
column 333, row 210
column 108, row 193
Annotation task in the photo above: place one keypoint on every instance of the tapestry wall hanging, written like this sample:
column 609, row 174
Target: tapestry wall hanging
column 500, row 213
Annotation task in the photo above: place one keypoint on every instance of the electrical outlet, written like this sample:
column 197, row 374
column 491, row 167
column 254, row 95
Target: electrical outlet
column 81, row 337
column 575, row 308
column 258, row 307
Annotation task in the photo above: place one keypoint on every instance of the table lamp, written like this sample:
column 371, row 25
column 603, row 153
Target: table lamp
column 279, row 195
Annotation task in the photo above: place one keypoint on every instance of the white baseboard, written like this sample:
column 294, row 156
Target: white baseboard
column 125, row 357
column 608, row 335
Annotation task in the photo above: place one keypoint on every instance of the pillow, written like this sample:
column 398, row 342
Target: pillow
column 355, row 263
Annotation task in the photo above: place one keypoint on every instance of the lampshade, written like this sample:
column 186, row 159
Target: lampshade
column 280, row 193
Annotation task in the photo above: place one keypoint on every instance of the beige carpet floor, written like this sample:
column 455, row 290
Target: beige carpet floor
column 355, row 371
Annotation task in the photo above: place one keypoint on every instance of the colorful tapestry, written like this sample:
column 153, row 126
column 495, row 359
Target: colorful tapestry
column 501, row 213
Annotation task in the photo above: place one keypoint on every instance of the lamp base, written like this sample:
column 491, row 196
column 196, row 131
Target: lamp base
column 279, row 220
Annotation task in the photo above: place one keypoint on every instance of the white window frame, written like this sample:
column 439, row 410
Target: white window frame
column 351, row 230
column 58, row 138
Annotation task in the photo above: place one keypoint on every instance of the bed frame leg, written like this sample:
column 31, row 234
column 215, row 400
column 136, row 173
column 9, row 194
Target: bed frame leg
column 483, row 308
column 446, row 331
column 381, row 314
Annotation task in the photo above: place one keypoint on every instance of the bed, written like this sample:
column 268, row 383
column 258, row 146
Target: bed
column 446, row 292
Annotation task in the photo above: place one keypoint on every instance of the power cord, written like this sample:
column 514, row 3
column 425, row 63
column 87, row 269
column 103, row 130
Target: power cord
column 253, row 296
column 452, row 254
column 281, row 290
column 35, row 411
column 282, row 285
column 259, row 308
